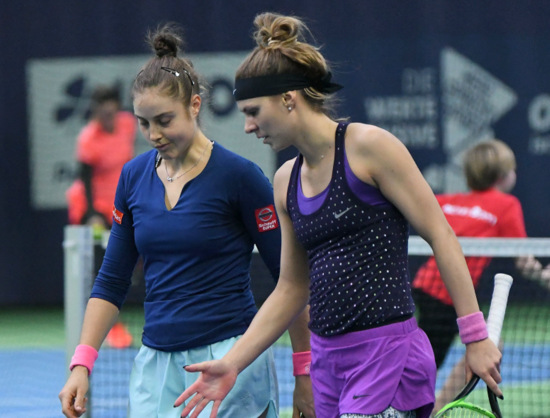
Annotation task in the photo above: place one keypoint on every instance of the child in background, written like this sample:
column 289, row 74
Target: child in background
column 487, row 210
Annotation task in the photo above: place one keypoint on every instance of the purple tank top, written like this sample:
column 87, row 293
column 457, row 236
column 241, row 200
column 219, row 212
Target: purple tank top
column 356, row 242
column 365, row 192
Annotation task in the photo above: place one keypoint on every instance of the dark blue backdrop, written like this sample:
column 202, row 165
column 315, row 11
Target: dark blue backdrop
column 376, row 46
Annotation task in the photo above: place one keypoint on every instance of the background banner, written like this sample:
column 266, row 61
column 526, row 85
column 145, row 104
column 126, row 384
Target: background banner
column 440, row 75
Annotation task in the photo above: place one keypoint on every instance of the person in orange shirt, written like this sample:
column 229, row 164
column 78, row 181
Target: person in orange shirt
column 104, row 145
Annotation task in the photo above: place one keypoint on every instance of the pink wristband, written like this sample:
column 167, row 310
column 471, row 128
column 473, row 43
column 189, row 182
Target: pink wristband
column 301, row 362
column 84, row 355
column 472, row 328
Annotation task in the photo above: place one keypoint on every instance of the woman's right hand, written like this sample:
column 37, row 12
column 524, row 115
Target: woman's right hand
column 73, row 395
column 217, row 378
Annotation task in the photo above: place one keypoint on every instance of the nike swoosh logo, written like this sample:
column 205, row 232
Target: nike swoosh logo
column 359, row 396
column 339, row 215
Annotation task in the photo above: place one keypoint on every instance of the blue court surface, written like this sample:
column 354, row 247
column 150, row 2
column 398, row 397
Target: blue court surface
column 30, row 380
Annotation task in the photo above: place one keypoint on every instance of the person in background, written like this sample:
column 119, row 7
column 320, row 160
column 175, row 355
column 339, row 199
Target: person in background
column 345, row 204
column 104, row 145
column 487, row 210
column 193, row 211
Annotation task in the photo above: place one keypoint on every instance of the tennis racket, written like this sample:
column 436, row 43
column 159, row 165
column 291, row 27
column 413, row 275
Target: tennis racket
column 459, row 407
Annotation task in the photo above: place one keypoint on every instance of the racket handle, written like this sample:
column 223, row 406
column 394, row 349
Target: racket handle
column 501, row 289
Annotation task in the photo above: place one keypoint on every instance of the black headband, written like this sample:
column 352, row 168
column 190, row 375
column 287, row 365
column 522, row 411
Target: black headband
column 270, row 85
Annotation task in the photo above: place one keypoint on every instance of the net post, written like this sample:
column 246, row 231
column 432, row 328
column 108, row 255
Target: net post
column 78, row 250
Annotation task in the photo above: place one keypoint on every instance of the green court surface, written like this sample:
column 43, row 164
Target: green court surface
column 45, row 327
column 32, row 328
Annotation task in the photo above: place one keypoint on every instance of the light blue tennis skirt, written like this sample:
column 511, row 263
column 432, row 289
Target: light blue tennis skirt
column 158, row 378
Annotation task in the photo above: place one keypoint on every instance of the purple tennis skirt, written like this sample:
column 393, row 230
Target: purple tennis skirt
column 365, row 372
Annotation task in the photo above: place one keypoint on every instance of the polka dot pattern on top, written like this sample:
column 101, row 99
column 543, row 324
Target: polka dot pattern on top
column 357, row 255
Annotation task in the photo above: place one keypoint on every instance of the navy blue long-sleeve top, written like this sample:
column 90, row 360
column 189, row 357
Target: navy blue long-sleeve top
column 196, row 257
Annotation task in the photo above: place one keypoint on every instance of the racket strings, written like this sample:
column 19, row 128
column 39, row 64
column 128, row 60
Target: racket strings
column 465, row 412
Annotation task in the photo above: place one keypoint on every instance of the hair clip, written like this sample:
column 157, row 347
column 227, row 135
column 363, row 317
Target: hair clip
column 177, row 74
column 170, row 70
column 189, row 76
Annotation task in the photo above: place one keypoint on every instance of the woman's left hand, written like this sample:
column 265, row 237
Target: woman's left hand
column 483, row 359
column 303, row 398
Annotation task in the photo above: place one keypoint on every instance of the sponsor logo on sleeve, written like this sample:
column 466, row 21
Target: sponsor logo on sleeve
column 117, row 215
column 266, row 218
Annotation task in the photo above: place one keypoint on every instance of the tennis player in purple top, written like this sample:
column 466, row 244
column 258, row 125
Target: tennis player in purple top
column 345, row 205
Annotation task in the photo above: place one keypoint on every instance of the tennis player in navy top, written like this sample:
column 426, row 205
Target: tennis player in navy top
column 345, row 205
column 193, row 211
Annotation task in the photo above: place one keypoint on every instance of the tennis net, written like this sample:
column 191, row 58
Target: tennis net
column 525, row 337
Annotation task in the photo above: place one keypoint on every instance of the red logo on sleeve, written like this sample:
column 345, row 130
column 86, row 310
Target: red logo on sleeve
column 117, row 215
column 266, row 218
